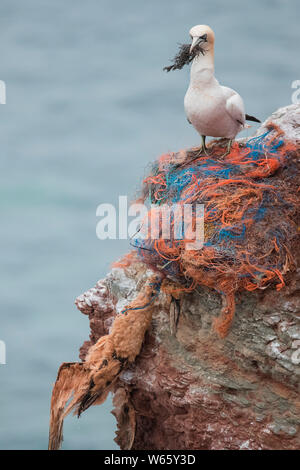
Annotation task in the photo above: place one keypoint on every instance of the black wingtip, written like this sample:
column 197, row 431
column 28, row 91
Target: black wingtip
column 252, row 118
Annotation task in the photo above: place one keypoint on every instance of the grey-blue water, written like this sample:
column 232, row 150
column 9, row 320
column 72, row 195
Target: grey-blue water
column 88, row 107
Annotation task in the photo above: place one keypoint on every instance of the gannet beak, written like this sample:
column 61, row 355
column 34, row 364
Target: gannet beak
column 198, row 40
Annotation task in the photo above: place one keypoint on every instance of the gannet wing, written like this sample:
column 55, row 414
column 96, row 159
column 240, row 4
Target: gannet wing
column 234, row 105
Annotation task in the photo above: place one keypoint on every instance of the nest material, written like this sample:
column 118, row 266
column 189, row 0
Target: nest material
column 251, row 214
column 184, row 56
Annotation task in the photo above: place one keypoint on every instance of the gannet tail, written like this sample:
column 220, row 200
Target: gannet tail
column 251, row 118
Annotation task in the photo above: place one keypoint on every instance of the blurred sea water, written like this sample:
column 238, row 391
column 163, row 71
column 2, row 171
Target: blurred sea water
column 88, row 107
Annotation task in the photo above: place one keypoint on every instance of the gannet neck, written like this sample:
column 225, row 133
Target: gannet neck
column 202, row 69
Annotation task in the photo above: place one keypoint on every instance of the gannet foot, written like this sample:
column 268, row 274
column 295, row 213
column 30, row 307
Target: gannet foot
column 189, row 161
column 203, row 151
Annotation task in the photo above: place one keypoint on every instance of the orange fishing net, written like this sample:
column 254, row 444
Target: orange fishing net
column 249, row 218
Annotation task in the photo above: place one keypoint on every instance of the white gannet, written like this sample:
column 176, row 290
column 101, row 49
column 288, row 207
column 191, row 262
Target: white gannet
column 214, row 110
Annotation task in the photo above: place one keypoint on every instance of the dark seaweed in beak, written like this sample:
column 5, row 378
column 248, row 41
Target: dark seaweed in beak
column 185, row 56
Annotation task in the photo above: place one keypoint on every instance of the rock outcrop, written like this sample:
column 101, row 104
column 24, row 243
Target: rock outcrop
column 193, row 390
column 190, row 389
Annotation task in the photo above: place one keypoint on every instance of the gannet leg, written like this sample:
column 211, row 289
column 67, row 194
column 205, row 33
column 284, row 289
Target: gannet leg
column 229, row 144
column 203, row 148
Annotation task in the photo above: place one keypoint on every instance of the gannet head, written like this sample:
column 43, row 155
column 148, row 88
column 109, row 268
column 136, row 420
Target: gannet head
column 202, row 34
column 203, row 39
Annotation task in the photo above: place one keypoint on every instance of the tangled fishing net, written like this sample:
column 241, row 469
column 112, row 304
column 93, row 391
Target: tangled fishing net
column 250, row 218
